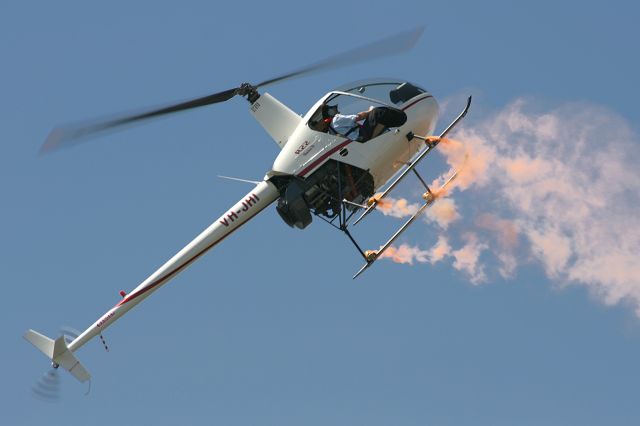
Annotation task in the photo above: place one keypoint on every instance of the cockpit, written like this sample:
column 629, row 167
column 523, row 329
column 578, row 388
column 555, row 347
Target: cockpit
column 363, row 110
column 329, row 170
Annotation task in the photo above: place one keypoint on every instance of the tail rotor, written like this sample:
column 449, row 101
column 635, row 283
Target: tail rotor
column 47, row 388
column 69, row 333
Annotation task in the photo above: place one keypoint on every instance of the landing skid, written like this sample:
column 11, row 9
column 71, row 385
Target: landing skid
column 415, row 162
column 429, row 197
column 349, row 208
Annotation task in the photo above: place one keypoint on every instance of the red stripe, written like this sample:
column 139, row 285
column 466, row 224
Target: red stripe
column 180, row 268
column 416, row 101
column 324, row 156
column 347, row 142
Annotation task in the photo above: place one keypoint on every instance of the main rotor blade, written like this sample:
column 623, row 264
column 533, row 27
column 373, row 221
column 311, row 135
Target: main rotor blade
column 66, row 136
column 61, row 137
column 388, row 46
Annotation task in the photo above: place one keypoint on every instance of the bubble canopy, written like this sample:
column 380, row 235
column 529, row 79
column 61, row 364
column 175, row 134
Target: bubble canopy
column 356, row 96
column 361, row 95
column 386, row 90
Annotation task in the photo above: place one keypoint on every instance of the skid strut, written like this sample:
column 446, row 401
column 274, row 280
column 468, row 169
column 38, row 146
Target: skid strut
column 429, row 196
column 430, row 145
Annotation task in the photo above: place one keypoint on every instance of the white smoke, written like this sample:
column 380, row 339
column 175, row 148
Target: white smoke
column 561, row 188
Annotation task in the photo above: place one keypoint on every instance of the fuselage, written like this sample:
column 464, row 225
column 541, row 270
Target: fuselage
column 318, row 167
column 307, row 149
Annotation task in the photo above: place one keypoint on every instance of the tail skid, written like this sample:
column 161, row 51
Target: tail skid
column 59, row 354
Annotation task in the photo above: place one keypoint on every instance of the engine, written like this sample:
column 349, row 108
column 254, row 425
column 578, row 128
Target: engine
column 292, row 206
column 322, row 193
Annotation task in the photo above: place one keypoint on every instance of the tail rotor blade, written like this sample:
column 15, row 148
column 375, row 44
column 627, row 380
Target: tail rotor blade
column 69, row 333
column 48, row 387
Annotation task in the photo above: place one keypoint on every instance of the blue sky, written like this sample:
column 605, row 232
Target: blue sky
column 269, row 328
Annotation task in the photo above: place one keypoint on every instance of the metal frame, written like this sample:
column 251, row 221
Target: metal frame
column 344, row 215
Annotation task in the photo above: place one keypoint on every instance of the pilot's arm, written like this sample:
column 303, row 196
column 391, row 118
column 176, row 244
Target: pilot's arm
column 362, row 115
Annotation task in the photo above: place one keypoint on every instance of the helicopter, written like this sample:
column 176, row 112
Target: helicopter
column 320, row 170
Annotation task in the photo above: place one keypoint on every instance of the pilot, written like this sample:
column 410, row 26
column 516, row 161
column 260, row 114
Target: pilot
column 364, row 125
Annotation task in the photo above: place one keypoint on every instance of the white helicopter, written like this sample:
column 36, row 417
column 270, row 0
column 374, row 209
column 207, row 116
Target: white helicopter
column 319, row 171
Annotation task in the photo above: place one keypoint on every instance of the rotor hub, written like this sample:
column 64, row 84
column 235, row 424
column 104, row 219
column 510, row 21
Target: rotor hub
column 250, row 91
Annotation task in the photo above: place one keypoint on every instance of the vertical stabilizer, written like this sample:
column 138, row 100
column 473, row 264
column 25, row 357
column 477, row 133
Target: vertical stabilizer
column 43, row 343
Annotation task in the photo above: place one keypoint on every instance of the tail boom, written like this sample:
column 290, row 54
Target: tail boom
column 248, row 207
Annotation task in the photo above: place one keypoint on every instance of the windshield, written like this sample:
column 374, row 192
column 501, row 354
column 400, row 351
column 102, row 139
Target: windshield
column 356, row 99
column 387, row 91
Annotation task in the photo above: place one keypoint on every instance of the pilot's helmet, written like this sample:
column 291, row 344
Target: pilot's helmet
column 329, row 111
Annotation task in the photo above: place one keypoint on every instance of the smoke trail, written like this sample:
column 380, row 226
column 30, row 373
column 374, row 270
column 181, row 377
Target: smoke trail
column 559, row 188
column 399, row 207
column 444, row 212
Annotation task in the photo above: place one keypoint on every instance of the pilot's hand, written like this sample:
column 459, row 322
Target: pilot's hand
column 362, row 115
